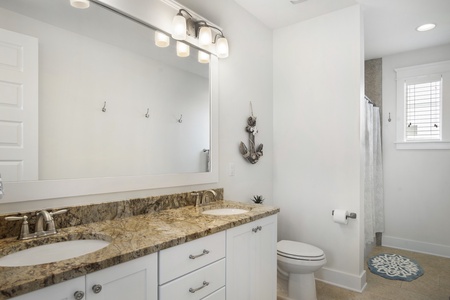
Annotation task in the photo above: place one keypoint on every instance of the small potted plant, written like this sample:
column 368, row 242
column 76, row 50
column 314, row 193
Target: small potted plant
column 258, row 199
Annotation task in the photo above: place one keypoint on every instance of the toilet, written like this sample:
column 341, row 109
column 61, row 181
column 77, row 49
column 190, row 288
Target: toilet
column 299, row 261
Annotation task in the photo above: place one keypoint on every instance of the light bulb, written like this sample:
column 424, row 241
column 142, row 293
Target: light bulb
column 182, row 49
column 203, row 57
column 222, row 47
column 179, row 27
column 161, row 40
column 205, row 36
column 80, row 3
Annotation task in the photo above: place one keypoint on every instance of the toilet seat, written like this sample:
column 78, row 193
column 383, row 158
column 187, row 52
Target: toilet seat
column 299, row 251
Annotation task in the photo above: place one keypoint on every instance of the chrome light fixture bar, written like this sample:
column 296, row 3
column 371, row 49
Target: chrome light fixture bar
column 184, row 25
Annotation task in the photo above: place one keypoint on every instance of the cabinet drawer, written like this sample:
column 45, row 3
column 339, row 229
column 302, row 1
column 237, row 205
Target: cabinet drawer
column 217, row 295
column 177, row 261
column 196, row 285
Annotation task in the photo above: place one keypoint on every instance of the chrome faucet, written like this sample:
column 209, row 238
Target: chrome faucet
column 41, row 229
column 205, row 197
column 45, row 216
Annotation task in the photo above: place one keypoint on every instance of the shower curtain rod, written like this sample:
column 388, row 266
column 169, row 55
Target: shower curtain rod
column 370, row 101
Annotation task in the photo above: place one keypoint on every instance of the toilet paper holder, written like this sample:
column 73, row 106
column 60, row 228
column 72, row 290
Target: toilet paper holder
column 350, row 215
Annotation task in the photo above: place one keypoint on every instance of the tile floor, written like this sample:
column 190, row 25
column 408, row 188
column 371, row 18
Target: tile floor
column 433, row 285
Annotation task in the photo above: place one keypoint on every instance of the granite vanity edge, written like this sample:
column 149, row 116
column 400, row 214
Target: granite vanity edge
column 10, row 290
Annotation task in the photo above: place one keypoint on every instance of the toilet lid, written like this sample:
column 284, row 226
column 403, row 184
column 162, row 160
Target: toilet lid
column 297, row 249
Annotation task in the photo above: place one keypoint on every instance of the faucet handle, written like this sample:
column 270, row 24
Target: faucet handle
column 24, row 230
column 16, row 218
column 51, row 225
column 58, row 212
column 197, row 198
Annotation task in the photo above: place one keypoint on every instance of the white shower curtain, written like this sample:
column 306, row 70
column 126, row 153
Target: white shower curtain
column 373, row 172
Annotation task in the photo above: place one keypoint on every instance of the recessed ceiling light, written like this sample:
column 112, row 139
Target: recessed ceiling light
column 426, row 27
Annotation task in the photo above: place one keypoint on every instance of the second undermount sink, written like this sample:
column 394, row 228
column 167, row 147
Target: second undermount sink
column 51, row 253
column 224, row 211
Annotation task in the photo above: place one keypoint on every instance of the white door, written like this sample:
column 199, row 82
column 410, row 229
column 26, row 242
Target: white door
column 18, row 106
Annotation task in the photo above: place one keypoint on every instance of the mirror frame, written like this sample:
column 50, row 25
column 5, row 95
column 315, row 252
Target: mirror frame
column 49, row 189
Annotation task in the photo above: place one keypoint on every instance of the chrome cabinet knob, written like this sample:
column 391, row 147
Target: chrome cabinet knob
column 78, row 295
column 97, row 288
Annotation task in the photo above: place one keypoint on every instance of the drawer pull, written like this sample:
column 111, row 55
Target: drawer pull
column 196, row 256
column 255, row 230
column 97, row 288
column 205, row 284
column 78, row 295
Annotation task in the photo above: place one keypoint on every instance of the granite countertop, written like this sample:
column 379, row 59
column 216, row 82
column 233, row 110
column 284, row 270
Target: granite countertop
column 130, row 238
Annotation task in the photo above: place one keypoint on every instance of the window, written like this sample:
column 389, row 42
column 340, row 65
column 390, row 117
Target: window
column 423, row 110
column 423, row 103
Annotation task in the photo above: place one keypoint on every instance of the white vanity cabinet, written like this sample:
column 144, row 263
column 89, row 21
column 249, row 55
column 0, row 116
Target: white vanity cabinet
column 193, row 271
column 252, row 260
column 135, row 279
column 236, row 264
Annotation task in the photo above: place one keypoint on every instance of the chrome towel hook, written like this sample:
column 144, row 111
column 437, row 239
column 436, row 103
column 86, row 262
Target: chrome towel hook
column 180, row 120
column 104, row 107
column 147, row 114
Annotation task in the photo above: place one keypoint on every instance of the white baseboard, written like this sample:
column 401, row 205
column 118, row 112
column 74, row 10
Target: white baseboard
column 416, row 246
column 342, row 279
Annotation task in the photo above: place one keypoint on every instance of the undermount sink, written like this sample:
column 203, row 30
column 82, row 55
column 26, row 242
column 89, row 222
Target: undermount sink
column 224, row 211
column 51, row 253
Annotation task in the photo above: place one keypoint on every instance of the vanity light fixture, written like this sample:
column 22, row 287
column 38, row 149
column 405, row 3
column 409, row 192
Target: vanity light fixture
column 184, row 24
column 80, row 3
column 205, row 36
column 426, row 27
column 182, row 49
column 161, row 40
column 203, row 57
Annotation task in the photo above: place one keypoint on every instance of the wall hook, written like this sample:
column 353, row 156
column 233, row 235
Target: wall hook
column 180, row 119
column 147, row 115
column 389, row 119
column 104, row 107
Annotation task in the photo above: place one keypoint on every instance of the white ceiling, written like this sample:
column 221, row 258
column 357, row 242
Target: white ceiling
column 389, row 25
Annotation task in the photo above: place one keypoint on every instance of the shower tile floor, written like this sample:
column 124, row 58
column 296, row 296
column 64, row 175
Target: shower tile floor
column 433, row 285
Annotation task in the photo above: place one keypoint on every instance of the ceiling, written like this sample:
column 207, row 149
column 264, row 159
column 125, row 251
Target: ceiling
column 389, row 25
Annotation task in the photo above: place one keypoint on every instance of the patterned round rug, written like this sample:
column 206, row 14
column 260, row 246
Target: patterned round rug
column 394, row 266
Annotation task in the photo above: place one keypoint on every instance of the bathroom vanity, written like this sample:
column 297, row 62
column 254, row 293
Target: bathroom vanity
column 179, row 253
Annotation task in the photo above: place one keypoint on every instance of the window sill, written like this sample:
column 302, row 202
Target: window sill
column 418, row 145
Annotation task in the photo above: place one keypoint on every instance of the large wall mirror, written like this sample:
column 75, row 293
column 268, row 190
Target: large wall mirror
column 115, row 112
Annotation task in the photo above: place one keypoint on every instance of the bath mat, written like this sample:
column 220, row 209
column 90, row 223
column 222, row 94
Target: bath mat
column 395, row 267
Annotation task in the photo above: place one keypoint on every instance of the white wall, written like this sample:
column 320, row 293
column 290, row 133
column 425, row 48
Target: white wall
column 417, row 202
column 245, row 76
column 318, row 75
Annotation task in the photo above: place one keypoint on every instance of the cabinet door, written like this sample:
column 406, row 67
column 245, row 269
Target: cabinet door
column 239, row 253
column 61, row 291
column 264, row 282
column 136, row 279
column 252, row 261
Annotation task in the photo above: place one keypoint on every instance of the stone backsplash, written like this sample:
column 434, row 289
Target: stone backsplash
column 78, row 215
